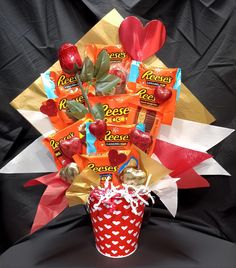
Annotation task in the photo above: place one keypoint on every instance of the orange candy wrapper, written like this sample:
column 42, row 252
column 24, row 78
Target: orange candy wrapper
column 52, row 142
column 155, row 76
column 58, row 84
column 117, row 137
column 141, row 129
column 116, row 107
column 65, row 84
column 61, row 119
column 110, row 164
column 119, row 62
column 147, row 99
column 151, row 121
column 144, row 80
column 61, row 87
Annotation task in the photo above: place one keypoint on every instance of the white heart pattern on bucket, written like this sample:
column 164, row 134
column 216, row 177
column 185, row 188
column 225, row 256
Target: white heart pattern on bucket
column 116, row 228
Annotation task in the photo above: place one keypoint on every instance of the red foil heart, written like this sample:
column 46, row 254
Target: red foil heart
column 115, row 158
column 141, row 139
column 49, row 108
column 141, row 42
column 162, row 94
column 98, row 128
column 71, row 147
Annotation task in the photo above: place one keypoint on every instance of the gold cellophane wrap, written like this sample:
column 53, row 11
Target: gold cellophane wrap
column 106, row 32
column 80, row 188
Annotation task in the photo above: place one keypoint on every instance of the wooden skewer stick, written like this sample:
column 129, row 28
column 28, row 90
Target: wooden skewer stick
column 148, row 180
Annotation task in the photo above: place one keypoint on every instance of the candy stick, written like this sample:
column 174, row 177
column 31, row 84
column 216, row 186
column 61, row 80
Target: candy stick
column 148, row 180
column 84, row 94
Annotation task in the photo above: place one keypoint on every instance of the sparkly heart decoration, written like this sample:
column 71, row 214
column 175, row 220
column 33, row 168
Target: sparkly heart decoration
column 71, row 147
column 141, row 139
column 140, row 41
column 49, row 108
column 162, row 94
column 98, row 128
column 116, row 158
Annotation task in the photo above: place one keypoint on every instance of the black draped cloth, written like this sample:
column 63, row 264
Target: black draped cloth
column 202, row 41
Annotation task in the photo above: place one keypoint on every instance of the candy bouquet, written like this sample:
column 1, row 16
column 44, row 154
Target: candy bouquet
column 107, row 111
column 106, row 114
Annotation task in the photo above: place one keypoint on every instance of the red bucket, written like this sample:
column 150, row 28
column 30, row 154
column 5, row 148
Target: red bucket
column 116, row 230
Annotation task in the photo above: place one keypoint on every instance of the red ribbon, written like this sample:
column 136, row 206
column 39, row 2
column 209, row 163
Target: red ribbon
column 53, row 200
column 190, row 179
column 181, row 161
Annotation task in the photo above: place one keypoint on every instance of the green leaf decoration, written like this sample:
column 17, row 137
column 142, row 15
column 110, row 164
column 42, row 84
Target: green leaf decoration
column 87, row 70
column 106, row 84
column 103, row 82
column 76, row 109
column 102, row 64
column 98, row 111
column 70, row 115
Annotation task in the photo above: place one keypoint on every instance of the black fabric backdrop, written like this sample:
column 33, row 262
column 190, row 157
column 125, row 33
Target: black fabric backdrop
column 201, row 40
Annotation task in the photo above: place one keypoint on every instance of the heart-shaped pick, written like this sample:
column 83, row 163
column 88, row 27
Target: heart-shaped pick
column 49, row 108
column 141, row 42
column 98, row 128
column 71, row 147
column 141, row 139
column 116, row 158
column 162, row 94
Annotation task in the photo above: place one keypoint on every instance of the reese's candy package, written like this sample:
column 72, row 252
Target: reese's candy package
column 160, row 99
column 65, row 84
column 144, row 138
column 62, row 84
column 116, row 107
column 58, row 84
column 119, row 62
column 99, row 164
column 59, row 117
column 116, row 137
column 108, row 165
column 62, row 144
column 149, row 76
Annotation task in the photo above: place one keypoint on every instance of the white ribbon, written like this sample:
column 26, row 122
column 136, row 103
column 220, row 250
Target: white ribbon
column 182, row 133
column 166, row 189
